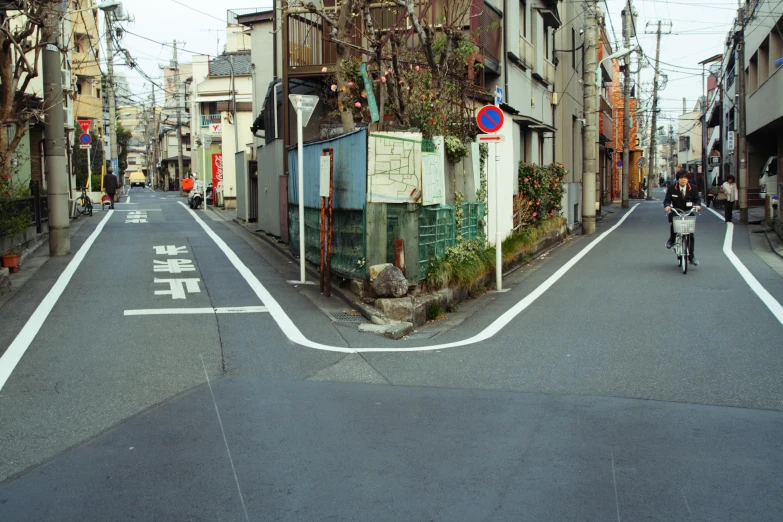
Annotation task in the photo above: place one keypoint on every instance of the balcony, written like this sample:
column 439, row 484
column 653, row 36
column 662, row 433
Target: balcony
column 549, row 72
column 527, row 54
column 209, row 119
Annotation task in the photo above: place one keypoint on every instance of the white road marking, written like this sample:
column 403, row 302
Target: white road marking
column 137, row 216
column 178, row 288
column 770, row 302
column 174, row 266
column 195, row 311
column 128, row 199
column 294, row 335
column 22, row 342
column 170, row 250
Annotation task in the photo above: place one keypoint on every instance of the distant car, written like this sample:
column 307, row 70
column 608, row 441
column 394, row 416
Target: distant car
column 137, row 179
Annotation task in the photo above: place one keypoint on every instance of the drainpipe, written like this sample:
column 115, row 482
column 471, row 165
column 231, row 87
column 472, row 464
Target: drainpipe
column 505, row 51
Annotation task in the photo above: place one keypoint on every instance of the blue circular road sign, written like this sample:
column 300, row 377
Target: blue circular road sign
column 85, row 139
column 490, row 119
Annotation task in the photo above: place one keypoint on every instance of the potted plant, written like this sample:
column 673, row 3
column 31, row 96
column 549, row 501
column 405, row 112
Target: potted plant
column 15, row 218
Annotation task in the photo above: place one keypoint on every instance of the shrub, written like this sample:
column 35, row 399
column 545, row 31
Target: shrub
column 543, row 188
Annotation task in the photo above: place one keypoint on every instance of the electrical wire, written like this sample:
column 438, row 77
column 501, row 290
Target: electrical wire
column 196, row 10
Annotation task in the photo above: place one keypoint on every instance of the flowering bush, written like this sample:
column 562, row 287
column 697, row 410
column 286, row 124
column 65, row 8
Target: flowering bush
column 542, row 187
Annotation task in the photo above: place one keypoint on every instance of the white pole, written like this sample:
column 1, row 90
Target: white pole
column 89, row 173
column 204, row 157
column 498, row 235
column 300, row 169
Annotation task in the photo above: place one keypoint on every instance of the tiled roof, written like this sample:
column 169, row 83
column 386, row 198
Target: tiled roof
column 221, row 65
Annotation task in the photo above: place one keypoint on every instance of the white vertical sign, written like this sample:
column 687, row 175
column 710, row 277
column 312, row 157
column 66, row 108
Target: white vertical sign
column 325, row 164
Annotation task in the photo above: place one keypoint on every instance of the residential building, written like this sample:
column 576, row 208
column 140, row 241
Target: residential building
column 140, row 121
column 266, row 176
column 618, row 109
column 223, row 86
column 764, row 104
column 689, row 142
column 568, row 103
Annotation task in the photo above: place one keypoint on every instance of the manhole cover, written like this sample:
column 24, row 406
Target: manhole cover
column 348, row 317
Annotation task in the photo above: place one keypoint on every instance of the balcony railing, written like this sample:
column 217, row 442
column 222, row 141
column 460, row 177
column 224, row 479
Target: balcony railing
column 549, row 72
column 527, row 53
column 209, row 119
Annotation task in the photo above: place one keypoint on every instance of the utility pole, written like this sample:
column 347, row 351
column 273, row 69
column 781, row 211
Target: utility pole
column 654, row 119
column 54, row 144
column 626, row 104
column 113, row 149
column 590, row 135
column 177, row 84
column 671, row 153
column 742, row 165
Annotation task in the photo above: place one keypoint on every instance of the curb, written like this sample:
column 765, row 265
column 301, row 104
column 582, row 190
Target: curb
column 769, row 240
column 311, row 271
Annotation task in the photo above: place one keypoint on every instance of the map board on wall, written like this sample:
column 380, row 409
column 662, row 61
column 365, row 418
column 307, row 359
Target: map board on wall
column 394, row 167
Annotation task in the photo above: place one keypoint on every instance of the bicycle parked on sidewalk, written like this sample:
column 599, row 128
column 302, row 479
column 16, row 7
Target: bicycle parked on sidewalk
column 684, row 224
column 84, row 203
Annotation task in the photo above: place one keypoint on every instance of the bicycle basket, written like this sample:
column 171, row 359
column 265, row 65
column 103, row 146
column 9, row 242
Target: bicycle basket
column 684, row 224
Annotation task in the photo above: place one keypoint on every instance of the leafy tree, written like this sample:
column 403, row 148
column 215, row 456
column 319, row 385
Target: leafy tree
column 21, row 41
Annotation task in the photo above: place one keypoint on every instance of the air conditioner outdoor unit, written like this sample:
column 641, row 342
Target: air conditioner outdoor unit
column 65, row 79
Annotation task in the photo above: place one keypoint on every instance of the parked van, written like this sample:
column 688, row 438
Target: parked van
column 768, row 184
column 137, row 179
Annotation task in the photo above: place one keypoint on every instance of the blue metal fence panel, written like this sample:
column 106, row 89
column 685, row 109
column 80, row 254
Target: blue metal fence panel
column 350, row 172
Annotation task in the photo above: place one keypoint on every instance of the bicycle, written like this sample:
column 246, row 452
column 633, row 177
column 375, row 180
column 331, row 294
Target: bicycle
column 684, row 224
column 84, row 204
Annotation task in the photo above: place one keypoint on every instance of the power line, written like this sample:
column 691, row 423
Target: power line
column 196, row 10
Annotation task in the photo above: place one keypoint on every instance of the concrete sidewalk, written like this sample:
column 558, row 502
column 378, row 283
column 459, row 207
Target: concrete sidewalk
column 33, row 258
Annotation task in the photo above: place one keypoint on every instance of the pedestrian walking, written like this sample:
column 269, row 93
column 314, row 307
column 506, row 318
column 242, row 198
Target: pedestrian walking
column 110, row 186
column 729, row 189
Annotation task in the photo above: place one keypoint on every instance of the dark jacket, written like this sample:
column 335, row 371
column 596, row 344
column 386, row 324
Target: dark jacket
column 674, row 197
column 110, row 183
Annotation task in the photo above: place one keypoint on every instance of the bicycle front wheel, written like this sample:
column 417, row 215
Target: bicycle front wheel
column 685, row 253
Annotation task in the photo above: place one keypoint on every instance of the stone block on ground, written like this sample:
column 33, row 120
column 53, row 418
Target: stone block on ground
column 391, row 282
column 375, row 270
column 396, row 330
column 396, row 309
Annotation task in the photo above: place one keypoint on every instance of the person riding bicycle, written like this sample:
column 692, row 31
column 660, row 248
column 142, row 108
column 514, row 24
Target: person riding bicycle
column 683, row 196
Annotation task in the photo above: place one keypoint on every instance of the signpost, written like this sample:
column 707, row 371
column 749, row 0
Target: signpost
column 490, row 119
column 730, row 141
column 85, row 142
column 304, row 105
column 641, row 163
column 206, row 142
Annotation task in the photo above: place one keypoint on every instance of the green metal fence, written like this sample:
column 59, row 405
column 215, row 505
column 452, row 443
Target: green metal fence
column 438, row 231
column 348, row 239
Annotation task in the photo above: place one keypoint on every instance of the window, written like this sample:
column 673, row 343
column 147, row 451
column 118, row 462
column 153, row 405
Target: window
column 573, row 48
column 523, row 18
column 522, row 146
column 546, row 44
column 97, row 93
column 731, row 120
column 540, row 148
column 685, row 143
column 78, row 88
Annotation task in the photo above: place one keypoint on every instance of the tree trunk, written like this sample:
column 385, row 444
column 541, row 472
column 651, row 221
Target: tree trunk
column 345, row 28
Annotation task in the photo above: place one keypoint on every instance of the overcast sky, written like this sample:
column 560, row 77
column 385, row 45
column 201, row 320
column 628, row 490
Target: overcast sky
column 698, row 31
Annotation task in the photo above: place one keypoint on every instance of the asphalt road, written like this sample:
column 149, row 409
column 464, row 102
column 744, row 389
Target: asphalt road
column 625, row 391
